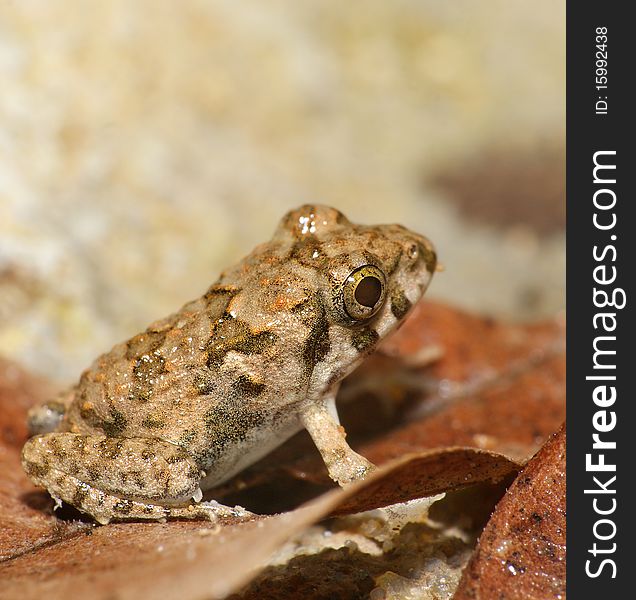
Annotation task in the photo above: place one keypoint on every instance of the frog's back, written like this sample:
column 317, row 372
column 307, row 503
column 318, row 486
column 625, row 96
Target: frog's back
column 205, row 377
column 129, row 390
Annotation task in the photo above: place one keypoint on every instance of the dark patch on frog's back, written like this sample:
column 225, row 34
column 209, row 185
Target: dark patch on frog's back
column 146, row 372
column 79, row 444
column 177, row 458
column 153, row 422
column 117, row 423
column 143, row 349
column 94, row 472
column 123, row 507
column 245, row 387
column 235, row 335
column 56, row 447
column 111, row 448
column 133, row 475
column 37, row 470
column 204, row 383
column 317, row 345
column 400, row 304
column 81, row 493
column 364, row 339
column 213, row 304
column 187, row 437
column 219, row 294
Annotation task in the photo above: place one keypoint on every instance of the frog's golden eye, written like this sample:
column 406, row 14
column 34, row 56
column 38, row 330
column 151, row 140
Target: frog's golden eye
column 363, row 292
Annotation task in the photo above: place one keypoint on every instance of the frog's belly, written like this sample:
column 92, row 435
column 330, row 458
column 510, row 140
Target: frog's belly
column 240, row 455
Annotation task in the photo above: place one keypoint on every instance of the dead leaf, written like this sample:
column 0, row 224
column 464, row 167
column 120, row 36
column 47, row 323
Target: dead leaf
column 521, row 553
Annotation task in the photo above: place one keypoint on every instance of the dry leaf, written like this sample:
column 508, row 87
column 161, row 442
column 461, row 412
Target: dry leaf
column 521, row 553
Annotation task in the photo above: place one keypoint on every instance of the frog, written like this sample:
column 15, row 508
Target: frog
column 202, row 394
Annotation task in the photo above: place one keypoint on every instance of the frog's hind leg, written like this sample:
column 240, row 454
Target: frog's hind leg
column 118, row 478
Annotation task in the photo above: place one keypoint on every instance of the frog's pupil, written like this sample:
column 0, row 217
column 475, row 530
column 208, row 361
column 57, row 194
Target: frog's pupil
column 368, row 291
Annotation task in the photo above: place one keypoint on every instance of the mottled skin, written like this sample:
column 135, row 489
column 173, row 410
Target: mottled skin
column 209, row 390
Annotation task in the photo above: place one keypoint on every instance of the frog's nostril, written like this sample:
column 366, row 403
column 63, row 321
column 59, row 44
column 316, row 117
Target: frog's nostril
column 421, row 253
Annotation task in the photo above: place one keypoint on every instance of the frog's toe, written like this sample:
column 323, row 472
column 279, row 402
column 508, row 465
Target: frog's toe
column 213, row 511
column 351, row 469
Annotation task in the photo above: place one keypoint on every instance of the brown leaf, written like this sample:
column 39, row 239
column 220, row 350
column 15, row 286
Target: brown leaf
column 521, row 553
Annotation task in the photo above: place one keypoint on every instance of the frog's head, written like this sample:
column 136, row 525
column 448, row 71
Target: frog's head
column 369, row 276
column 382, row 273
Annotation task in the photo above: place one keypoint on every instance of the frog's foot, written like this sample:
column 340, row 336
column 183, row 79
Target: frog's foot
column 348, row 467
column 118, row 478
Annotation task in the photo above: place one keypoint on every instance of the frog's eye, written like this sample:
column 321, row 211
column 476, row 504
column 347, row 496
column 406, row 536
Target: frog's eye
column 363, row 292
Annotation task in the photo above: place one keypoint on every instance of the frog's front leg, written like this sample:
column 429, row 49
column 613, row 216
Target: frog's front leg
column 321, row 421
column 118, row 478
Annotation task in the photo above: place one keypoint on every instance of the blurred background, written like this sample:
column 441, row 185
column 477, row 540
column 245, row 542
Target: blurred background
column 145, row 146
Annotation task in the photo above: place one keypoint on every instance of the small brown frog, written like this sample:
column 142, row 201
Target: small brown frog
column 209, row 390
